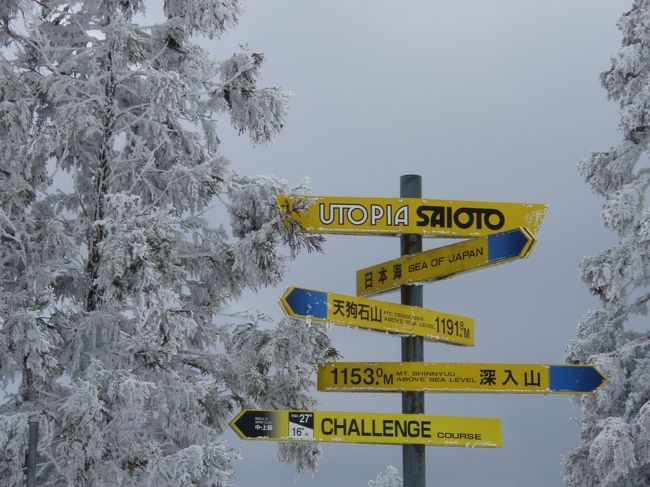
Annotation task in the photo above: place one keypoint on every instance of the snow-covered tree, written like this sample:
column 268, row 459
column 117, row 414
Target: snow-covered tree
column 388, row 478
column 615, row 440
column 111, row 286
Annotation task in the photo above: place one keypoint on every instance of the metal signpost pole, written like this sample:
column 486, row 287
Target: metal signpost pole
column 32, row 452
column 413, row 465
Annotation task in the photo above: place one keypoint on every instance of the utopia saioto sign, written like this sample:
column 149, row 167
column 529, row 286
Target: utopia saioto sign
column 394, row 216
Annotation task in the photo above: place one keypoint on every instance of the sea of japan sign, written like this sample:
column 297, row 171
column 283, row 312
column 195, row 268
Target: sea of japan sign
column 345, row 310
column 283, row 425
column 393, row 216
column 446, row 261
column 459, row 377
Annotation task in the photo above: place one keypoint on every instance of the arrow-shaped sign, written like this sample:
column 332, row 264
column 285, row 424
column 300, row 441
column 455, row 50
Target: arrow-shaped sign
column 283, row 425
column 378, row 315
column 446, row 261
column 394, row 216
column 459, row 377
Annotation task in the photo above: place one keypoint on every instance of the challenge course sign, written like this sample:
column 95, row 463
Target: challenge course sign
column 393, row 429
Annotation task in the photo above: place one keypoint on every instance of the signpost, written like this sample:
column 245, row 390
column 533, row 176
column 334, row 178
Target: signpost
column 459, row 377
column 413, row 456
column 446, row 261
column 408, row 215
column 345, row 310
column 500, row 232
column 420, row 429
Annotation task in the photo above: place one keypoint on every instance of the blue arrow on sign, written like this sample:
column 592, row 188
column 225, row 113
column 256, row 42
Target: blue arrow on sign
column 575, row 378
column 307, row 302
column 506, row 245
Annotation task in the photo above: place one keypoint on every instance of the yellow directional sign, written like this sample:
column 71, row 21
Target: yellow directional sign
column 394, row 216
column 378, row 315
column 283, row 425
column 446, row 261
column 455, row 377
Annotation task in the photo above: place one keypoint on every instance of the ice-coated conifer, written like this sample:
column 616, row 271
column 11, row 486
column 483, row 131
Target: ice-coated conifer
column 388, row 478
column 615, row 440
column 111, row 285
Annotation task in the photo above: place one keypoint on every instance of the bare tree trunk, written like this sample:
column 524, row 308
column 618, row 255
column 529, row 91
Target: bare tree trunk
column 95, row 292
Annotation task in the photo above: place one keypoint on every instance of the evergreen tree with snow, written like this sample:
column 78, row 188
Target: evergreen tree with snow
column 111, row 287
column 388, row 478
column 615, row 439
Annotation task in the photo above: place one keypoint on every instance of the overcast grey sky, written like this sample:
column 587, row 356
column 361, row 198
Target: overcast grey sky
column 492, row 101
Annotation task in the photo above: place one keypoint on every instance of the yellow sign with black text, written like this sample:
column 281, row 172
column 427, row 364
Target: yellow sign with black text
column 459, row 377
column 380, row 428
column 395, row 216
column 446, row 261
column 378, row 315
